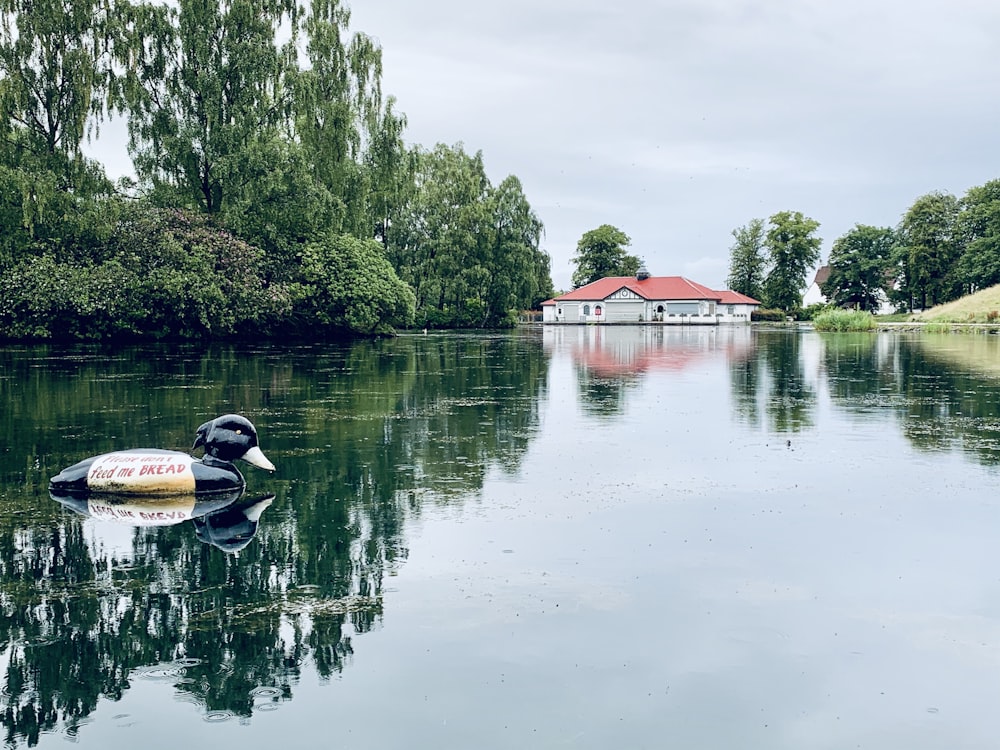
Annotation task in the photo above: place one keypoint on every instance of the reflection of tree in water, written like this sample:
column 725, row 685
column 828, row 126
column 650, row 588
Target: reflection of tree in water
column 604, row 396
column 860, row 369
column 772, row 383
column 932, row 387
column 362, row 434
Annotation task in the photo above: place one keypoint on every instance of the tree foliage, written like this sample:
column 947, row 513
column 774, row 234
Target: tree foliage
column 349, row 286
column 162, row 273
column 860, row 262
column 205, row 93
column 469, row 250
column 793, row 249
column 747, row 260
column 929, row 247
column 601, row 253
column 979, row 231
column 267, row 117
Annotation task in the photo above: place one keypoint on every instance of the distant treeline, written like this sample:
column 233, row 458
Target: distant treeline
column 274, row 194
column 942, row 248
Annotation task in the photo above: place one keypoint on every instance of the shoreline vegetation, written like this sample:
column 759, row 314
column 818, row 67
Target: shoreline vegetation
column 272, row 193
column 974, row 313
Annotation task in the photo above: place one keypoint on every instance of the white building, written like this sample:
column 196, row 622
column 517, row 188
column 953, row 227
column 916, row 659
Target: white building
column 648, row 299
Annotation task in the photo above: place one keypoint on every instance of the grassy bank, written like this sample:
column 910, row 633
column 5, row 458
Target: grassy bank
column 981, row 307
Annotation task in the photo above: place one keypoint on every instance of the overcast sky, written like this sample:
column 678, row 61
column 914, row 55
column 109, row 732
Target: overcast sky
column 678, row 121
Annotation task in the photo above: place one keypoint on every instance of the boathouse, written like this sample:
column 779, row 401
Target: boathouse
column 648, row 299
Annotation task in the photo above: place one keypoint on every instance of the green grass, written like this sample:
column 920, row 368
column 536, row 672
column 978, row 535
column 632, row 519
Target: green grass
column 981, row 307
column 844, row 320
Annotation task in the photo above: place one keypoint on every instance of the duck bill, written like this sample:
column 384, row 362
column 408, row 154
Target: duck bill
column 257, row 458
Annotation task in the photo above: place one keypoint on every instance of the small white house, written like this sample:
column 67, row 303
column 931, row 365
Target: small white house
column 814, row 294
column 648, row 299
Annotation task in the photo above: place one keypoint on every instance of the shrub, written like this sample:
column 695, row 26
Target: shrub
column 348, row 286
column 844, row 320
column 767, row 315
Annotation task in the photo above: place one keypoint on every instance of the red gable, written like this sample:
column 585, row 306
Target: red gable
column 653, row 288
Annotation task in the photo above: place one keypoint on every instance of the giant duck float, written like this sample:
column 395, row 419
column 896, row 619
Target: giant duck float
column 148, row 472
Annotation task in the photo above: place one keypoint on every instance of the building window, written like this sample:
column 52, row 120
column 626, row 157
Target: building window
column 586, row 309
column 598, row 310
column 730, row 309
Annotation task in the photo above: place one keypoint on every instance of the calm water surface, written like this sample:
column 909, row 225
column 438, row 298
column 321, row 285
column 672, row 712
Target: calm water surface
column 579, row 537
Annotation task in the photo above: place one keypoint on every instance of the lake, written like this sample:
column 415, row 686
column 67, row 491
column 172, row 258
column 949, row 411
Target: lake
column 575, row 537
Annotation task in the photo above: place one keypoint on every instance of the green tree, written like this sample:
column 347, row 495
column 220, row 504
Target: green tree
column 929, row 249
column 349, row 287
column 469, row 250
column 351, row 140
column 55, row 79
column 512, row 255
column 747, row 260
column 601, row 253
column 55, row 75
column 440, row 233
column 206, row 95
column 979, row 229
column 859, row 264
column 793, row 249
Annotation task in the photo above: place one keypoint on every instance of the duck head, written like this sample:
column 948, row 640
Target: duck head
column 230, row 437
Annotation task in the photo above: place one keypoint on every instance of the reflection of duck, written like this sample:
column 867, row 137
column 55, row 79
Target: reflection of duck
column 144, row 511
column 150, row 472
column 231, row 528
column 226, row 520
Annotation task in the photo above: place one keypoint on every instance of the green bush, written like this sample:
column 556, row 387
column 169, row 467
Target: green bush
column 161, row 274
column 844, row 320
column 810, row 312
column 348, row 286
column 764, row 314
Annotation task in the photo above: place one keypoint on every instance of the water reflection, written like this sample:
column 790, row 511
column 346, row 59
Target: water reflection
column 941, row 389
column 612, row 361
column 363, row 434
column 773, row 388
column 227, row 520
column 367, row 437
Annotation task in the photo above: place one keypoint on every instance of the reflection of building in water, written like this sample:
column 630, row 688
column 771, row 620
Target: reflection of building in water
column 663, row 300
column 614, row 351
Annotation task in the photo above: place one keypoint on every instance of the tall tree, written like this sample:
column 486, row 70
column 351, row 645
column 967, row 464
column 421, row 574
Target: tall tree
column 207, row 94
column 469, row 250
column 979, row 229
column 55, row 74
column 601, row 253
column 930, row 248
column 793, row 249
column 512, row 278
column 747, row 260
column 435, row 243
column 339, row 111
column 859, row 263
column 55, row 77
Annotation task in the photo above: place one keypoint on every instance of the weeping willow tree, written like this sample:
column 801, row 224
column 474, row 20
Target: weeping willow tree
column 469, row 250
column 56, row 74
column 265, row 113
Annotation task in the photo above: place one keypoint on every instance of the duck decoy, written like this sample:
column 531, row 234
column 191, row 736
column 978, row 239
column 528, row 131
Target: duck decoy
column 149, row 472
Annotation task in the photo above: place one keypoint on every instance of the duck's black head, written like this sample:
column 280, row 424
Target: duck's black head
column 230, row 437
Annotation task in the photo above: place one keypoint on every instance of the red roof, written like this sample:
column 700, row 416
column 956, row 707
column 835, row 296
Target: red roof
column 729, row 297
column 653, row 288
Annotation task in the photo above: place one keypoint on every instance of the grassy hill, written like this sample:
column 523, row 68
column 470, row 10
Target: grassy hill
column 981, row 307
